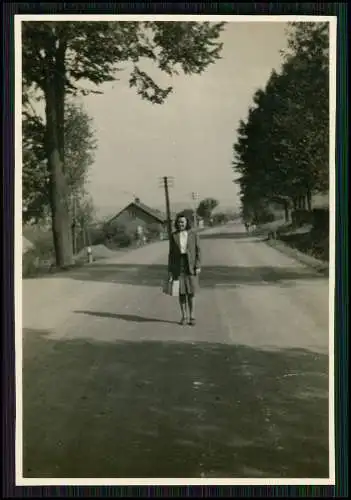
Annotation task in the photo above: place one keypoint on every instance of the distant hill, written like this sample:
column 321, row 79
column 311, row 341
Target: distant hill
column 179, row 206
column 226, row 209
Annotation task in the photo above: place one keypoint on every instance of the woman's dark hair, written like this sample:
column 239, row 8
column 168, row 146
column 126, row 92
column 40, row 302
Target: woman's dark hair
column 180, row 216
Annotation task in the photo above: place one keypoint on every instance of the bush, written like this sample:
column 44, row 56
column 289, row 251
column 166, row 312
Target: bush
column 35, row 261
column 153, row 232
column 97, row 236
column 123, row 239
column 220, row 218
column 263, row 218
column 301, row 217
column 113, row 236
column 30, row 264
column 42, row 256
column 121, row 236
column 320, row 219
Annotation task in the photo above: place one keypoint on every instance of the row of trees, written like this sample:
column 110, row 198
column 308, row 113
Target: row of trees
column 61, row 60
column 203, row 210
column 206, row 207
column 80, row 145
column 282, row 150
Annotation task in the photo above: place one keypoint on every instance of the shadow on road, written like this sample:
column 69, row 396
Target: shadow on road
column 172, row 409
column 211, row 276
column 126, row 317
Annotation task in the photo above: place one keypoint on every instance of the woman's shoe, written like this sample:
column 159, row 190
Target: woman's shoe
column 182, row 321
column 192, row 322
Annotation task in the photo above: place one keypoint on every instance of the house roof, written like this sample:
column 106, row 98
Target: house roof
column 156, row 214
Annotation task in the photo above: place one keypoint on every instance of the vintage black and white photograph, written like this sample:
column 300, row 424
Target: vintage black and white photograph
column 175, row 244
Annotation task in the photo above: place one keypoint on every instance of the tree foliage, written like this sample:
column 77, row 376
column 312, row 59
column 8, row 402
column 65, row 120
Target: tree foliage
column 79, row 148
column 206, row 207
column 189, row 213
column 35, row 175
column 221, row 218
column 64, row 58
column 282, row 149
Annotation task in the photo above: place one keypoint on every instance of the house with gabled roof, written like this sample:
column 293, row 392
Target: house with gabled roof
column 136, row 214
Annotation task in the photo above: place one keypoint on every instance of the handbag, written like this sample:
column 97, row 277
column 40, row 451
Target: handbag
column 171, row 288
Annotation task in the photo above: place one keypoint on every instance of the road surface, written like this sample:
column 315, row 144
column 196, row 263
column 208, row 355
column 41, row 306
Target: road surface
column 114, row 387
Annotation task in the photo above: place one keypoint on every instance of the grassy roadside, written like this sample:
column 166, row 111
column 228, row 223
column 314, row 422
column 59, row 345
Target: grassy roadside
column 306, row 243
column 313, row 243
column 35, row 267
column 38, row 261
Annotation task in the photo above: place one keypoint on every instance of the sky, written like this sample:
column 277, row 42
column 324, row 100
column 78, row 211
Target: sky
column 190, row 137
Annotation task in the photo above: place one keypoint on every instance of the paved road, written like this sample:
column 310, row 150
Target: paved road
column 114, row 387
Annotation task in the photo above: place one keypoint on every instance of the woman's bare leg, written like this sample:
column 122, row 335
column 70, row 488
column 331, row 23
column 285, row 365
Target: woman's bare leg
column 182, row 303
column 190, row 300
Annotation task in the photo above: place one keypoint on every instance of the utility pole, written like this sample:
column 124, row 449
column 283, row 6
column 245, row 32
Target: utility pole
column 167, row 182
column 74, row 223
column 195, row 197
column 84, row 231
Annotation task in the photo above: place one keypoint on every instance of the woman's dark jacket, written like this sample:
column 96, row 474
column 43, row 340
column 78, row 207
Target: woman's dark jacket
column 193, row 252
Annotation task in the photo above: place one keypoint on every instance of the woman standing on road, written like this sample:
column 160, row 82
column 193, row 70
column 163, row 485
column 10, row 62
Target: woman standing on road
column 184, row 264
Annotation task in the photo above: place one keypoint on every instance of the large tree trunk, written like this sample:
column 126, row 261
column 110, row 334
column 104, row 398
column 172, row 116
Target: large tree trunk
column 286, row 210
column 61, row 224
column 309, row 200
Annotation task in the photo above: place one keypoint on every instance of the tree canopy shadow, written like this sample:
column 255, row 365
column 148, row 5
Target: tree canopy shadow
column 172, row 409
column 211, row 276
